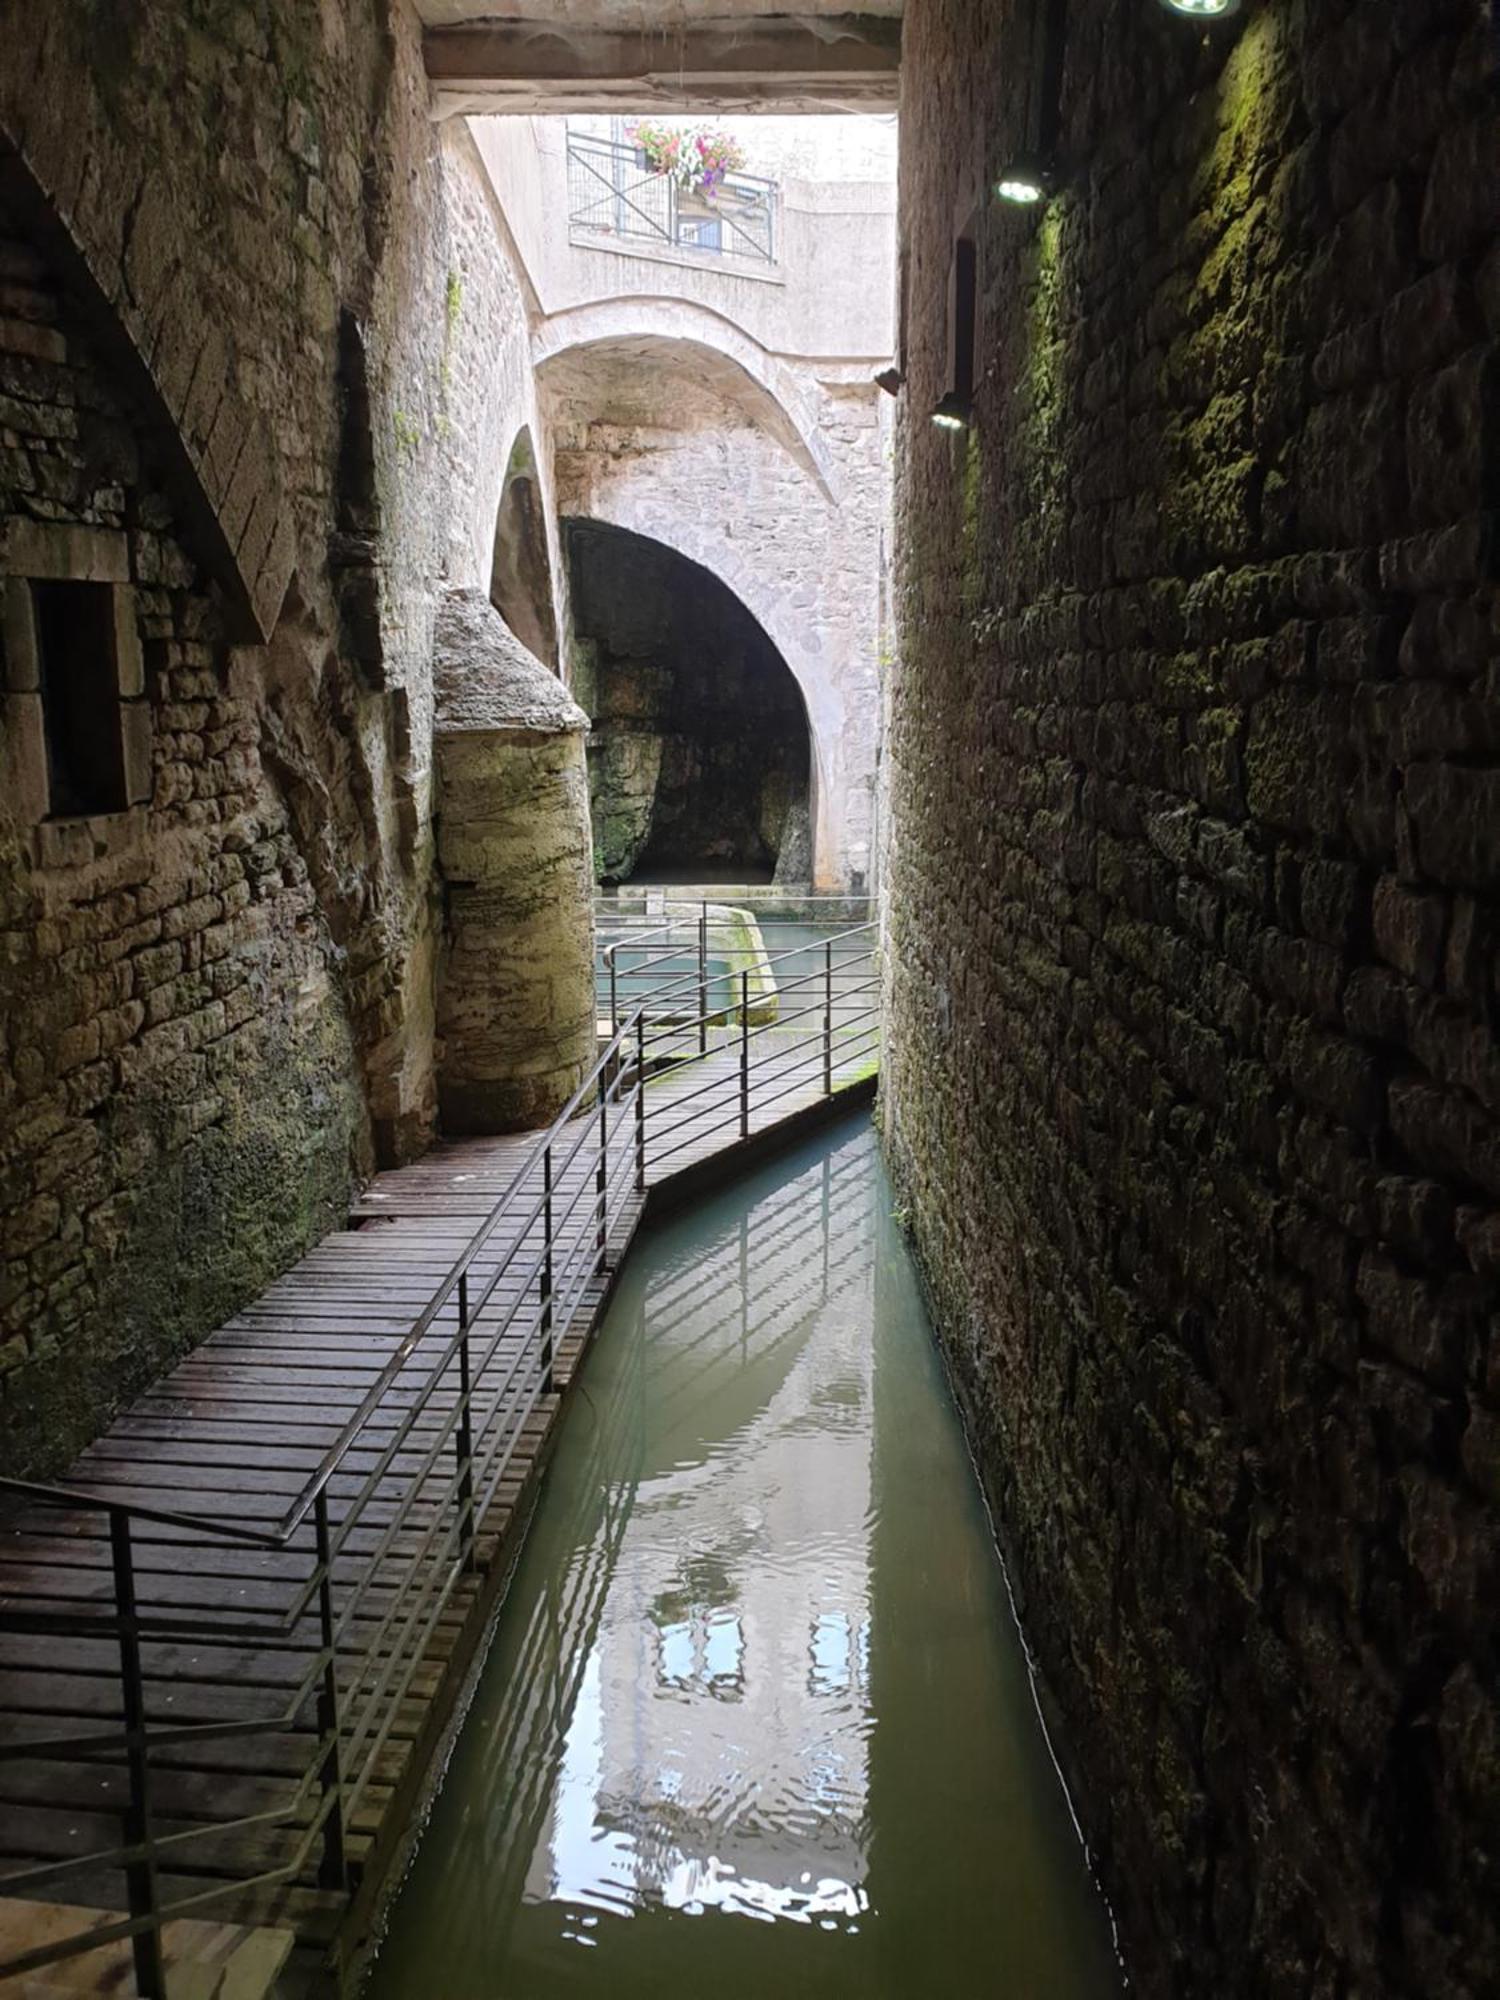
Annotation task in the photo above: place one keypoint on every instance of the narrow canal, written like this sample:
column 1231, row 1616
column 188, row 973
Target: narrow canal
column 756, row 1720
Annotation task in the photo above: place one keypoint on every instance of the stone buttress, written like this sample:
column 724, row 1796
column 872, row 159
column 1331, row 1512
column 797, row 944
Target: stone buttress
column 516, row 1016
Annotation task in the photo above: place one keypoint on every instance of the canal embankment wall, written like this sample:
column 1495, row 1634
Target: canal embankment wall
column 1191, row 1089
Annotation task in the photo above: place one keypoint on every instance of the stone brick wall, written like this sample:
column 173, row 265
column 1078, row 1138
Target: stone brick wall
column 259, row 199
column 676, row 449
column 259, row 330
column 1194, row 1087
column 179, row 1105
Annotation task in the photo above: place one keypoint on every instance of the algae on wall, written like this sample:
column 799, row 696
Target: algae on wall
column 1192, row 873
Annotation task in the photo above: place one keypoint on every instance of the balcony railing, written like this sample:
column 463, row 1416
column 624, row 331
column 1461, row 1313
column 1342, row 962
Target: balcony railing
column 613, row 192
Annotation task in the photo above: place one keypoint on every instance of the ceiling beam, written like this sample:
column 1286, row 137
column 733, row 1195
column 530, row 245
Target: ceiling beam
column 767, row 62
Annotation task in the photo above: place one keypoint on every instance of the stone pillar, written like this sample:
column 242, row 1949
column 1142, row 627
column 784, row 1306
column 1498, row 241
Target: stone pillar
column 516, row 1013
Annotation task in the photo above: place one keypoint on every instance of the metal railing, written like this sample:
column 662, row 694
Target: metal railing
column 353, row 1577
column 673, row 953
column 612, row 191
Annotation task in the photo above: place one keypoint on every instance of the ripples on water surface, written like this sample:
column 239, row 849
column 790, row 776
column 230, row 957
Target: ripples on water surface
column 756, row 1719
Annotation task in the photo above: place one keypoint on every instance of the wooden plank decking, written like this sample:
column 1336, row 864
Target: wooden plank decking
column 233, row 1433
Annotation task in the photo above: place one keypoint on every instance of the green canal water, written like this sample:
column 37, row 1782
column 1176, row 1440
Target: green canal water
column 756, row 1720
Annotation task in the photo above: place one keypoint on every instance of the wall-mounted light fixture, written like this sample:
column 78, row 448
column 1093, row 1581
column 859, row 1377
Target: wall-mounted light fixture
column 1024, row 182
column 952, row 413
column 1202, row 10
column 1029, row 177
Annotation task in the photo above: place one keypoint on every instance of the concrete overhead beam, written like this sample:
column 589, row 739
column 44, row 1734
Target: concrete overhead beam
column 766, row 62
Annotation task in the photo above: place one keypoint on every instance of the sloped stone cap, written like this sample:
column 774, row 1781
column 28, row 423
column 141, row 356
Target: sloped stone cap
column 484, row 679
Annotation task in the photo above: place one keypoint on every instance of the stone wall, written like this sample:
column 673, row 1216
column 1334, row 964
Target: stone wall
column 835, row 226
column 669, row 442
column 179, row 1104
column 516, row 1010
column 262, row 334
column 1193, row 1091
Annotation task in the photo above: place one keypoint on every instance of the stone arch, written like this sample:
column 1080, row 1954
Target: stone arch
column 821, row 702
column 673, row 329
column 521, row 587
column 117, row 249
column 672, row 440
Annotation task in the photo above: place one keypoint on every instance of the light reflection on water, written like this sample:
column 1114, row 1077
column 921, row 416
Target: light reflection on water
column 756, row 1716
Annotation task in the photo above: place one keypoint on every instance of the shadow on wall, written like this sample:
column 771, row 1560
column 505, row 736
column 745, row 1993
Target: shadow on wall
column 521, row 575
column 699, row 748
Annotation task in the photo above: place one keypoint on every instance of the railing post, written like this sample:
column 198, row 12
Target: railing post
column 140, row 1875
column 640, row 1103
column 333, row 1873
column 828, row 1017
column 614, row 992
column 703, row 982
column 546, row 1280
column 601, row 1180
column 744, row 1055
column 464, row 1436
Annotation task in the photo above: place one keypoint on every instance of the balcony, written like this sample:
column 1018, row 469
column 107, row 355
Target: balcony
column 613, row 194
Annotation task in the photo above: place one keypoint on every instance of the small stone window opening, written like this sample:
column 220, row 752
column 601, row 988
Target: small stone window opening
column 80, row 686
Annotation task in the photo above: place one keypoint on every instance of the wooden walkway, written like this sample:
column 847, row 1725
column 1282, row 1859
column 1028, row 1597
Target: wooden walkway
column 234, row 1433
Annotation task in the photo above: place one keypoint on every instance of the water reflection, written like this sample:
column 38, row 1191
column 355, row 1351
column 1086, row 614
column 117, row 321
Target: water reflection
column 755, row 1709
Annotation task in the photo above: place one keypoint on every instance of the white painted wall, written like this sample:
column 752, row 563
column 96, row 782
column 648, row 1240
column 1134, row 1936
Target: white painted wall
column 832, row 291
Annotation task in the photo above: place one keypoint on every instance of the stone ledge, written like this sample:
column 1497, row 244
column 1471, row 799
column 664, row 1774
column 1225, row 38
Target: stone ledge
column 68, row 844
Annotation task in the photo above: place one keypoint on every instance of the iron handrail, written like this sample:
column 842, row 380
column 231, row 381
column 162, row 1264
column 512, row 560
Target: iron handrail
column 691, row 979
column 420, row 1501
column 298, row 1508
column 83, row 1499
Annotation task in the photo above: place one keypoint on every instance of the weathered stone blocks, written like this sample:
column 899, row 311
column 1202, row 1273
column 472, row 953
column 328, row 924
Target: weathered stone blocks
column 1193, row 1080
column 516, row 1009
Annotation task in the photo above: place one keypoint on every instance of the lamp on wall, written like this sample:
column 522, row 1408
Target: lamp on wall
column 1024, row 182
column 954, row 410
column 1027, row 178
column 1202, row 10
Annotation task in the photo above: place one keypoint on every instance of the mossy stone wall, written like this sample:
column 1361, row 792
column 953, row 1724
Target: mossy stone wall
column 516, row 1010
column 237, row 381
column 1193, row 1080
column 180, row 1106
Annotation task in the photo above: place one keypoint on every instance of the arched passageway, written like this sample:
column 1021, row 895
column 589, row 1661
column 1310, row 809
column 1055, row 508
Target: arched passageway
column 772, row 484
column 520, row 574
column 699, row 757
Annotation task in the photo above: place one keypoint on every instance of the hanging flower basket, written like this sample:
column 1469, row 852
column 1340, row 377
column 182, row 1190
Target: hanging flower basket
column 697, row 157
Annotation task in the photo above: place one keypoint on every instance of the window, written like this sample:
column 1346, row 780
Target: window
column 75, row 723
column 700, row 232
column 80, row 685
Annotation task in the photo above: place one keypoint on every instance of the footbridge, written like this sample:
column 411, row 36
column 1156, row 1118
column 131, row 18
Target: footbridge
column 233, row 1641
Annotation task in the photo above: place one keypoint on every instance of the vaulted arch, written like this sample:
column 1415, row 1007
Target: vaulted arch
column 521, row 588
column 703, row 760
column 670, row 333
column 122, row 262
